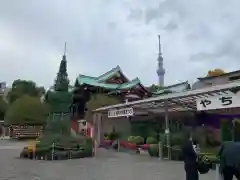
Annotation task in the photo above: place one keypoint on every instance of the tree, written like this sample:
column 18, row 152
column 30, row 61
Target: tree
column 23, row 87
column 215, row 72
column 155, row 88
column 41, row 90
column 3, row 108
column 27, row 110
column 96, row 101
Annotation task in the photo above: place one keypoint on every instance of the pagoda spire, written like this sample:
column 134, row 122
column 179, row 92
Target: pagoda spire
column 65, row 49
column 62, row 81
column 160, row 69
column 64, row 53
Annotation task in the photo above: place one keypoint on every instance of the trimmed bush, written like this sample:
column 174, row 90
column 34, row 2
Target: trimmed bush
column 176, row 139
column 138, row 140
column 130, row 138
column 60, row 155
column 153, row 150
column 151, row 140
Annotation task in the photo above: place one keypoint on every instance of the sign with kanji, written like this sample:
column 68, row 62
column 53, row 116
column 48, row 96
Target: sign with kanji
column 120, row 112
column 218, row 102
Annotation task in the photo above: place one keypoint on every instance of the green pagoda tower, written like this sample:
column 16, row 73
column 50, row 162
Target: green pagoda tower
column 59, row 100
column 57, row 140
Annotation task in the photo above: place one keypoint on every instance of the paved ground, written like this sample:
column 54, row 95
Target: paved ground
column 108, row 166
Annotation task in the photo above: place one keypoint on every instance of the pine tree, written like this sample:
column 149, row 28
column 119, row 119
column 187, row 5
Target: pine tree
column 62, row 81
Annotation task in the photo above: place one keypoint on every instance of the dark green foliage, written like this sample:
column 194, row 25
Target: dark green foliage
column 226, row 131
column 236, row 130
column 146, row 129
column 23, row 87
column 60, row 98
column 3, row 108
column 58, row 126
column 151, row 140
column 177, row 139
column 153, row 150
column 59, row 101
column 155, row 88
column 61, row 141
column 62, row 81
column 97, row 101
column 138, row 140
column 114, row 135
column 27, row 110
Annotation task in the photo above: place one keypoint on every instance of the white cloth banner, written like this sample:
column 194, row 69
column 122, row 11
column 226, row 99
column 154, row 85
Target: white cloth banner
column 218, row 102
column 120, row 112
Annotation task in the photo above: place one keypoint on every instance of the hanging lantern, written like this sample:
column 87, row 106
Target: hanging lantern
column 85, row 88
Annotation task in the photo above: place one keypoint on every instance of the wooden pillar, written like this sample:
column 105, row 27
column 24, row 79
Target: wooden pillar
column 3, row 130
column 99, row 119
column 94, row 136
column 96, row 131
column 167, row 129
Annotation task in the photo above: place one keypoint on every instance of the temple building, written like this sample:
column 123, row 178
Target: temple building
column 115, row 83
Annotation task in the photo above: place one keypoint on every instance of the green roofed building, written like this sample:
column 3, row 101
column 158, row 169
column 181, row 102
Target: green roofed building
column 115, row 83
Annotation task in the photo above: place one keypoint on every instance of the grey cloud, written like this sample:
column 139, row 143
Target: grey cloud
column 171, row 26
column 135, row 14
column 102, row 34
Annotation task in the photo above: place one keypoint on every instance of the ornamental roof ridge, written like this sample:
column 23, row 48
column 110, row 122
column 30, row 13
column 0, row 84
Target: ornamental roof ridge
column 117, row 68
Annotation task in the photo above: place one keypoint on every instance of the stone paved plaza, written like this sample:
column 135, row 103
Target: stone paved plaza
column 108, row 166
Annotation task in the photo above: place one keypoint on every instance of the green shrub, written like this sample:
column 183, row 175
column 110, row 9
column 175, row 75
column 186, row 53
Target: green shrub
column 113, row 136
column 236, row 130
column 130, row 138
column 176, row 153
column 138, row 140
column 226, row 132
column 151, row 140
column 176, row 139
column 153, row 150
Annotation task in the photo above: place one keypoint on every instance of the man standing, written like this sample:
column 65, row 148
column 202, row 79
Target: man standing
column 190, row 159
column 230, row 160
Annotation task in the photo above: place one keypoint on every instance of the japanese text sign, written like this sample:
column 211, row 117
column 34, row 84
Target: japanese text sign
column 218, row 102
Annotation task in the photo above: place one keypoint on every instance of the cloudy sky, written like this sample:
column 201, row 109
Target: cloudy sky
column 196, row 36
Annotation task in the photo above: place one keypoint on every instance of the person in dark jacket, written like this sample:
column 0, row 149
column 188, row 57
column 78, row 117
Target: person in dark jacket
column 230, row 160
column 190, row 159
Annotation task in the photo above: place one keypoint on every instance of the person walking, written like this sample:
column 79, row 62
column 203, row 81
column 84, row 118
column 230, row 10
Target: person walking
column 230, row 160
column 189, row 156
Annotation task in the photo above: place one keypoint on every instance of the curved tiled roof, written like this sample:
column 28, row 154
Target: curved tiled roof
column 95, row 82
column 99, row 82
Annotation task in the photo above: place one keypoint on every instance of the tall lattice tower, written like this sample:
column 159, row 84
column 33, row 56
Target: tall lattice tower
column 160, row 70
